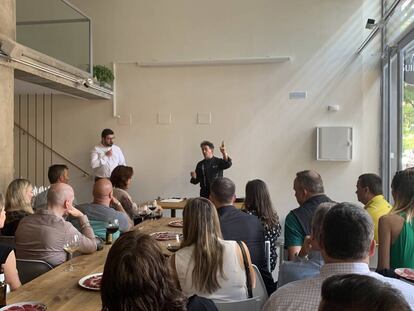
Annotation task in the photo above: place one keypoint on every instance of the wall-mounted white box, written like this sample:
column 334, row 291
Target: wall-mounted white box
column 334, row 143
column 204, row 118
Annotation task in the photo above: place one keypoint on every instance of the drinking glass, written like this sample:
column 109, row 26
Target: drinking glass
column 71, row 245
column 174, row 246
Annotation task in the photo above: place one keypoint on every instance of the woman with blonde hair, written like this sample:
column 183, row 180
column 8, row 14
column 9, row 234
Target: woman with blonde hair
column 18, row 204
column 396, row 230
column 7, row 256
column 206, row 265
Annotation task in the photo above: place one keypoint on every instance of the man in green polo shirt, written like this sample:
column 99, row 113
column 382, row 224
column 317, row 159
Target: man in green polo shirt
column 369, row 193
column 309, row 193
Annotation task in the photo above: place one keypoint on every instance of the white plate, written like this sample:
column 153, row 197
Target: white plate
column 21, row 304
column 82, row 281
column 406, row 273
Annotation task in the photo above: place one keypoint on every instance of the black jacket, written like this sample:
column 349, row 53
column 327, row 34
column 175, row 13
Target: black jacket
column 207, row 170
column 239, row 226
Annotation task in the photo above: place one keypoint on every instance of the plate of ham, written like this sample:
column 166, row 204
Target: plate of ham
column 92, row 281
column 176, row 223
column 405, row 273
column 25, row 306
column 165, row 235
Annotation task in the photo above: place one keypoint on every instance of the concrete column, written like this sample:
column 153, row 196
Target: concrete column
column 7, row 28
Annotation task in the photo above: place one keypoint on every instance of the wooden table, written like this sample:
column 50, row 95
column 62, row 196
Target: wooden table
column 173, row 206
column 59, row 289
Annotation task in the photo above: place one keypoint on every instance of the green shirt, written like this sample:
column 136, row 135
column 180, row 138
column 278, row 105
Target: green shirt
column 294, row 234
column 402, row 250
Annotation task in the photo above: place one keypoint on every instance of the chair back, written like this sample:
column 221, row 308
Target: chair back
column 251, row 304
column 259, row 291
column 267, row 254
column 30, row 269
column 8, row 240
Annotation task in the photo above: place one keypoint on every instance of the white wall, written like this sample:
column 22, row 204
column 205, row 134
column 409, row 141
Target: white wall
column 269, row 136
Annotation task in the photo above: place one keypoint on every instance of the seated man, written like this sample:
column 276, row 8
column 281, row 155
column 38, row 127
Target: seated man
column 348, row 292
column 239, row 226
column 57, row 173
column 305, row 266
column 309, row 193
column 347, row 242
column 42, row 235
column 99, row 211
column 369, row 193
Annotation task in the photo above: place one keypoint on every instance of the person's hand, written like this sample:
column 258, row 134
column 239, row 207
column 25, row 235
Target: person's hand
column 193, row 175
column 306, row 247
column 222, row 148
column 115, row 201
column 73, row 211
column 159, row 209
column 109, row 153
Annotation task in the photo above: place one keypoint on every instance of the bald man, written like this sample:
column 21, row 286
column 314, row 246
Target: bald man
column 309, row 193
column 99, row 211
column 42, row 235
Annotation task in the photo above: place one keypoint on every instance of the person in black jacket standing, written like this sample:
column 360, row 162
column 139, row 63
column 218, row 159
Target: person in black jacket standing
column 210, row 168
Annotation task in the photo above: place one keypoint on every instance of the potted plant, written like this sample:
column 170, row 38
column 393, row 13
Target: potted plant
column 104, row 75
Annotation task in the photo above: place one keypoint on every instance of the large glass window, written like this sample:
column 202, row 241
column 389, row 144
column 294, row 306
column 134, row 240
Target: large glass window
column 407, row 124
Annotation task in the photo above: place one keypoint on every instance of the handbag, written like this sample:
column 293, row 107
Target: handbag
column 247, row 270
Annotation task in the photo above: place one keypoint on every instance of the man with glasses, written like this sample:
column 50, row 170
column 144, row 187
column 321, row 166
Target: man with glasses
column 106, row 156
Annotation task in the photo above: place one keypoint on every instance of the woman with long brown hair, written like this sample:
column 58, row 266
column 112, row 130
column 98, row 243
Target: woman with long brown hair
column 206, row 265
column 137, row 277
column 396, row 230
column 259, row 204
column 18, row 204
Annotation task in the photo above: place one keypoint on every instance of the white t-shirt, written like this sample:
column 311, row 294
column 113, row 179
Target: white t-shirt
column 232, row 287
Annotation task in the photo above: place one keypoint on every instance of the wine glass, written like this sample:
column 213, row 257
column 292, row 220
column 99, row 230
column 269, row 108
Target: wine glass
column 152, row 208
column 71, row 245
column 111, row 227
column 174, row 245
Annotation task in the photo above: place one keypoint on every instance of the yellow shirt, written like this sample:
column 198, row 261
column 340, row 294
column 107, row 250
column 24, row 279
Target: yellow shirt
column 377, row 207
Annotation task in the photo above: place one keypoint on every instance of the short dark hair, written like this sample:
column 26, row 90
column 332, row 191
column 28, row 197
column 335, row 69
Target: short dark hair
column 206, row 143
column 372, row 181
column 223, row 190
column 120, row 176
column 107, row 132
column 310, row 180
column 355, row 228
column 55, row 171
column 358, row 292
column 137, row 275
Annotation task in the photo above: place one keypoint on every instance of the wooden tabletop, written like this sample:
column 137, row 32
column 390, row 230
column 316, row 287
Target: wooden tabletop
column 181, row 204
column 59, row 289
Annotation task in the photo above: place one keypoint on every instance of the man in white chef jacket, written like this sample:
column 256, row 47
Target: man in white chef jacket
column 106, row 156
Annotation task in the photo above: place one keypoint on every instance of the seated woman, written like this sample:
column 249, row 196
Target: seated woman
column 396, row 230
column 18, row 204
column 7, row 256
column 136, row 275
column 258, row 203
column 206, row 265
column 121, row 178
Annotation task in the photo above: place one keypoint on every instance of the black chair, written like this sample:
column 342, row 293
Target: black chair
column 8, row 240
column 30, row 269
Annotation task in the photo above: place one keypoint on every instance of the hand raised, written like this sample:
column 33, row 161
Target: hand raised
column 73, row 211
column 193, row 175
